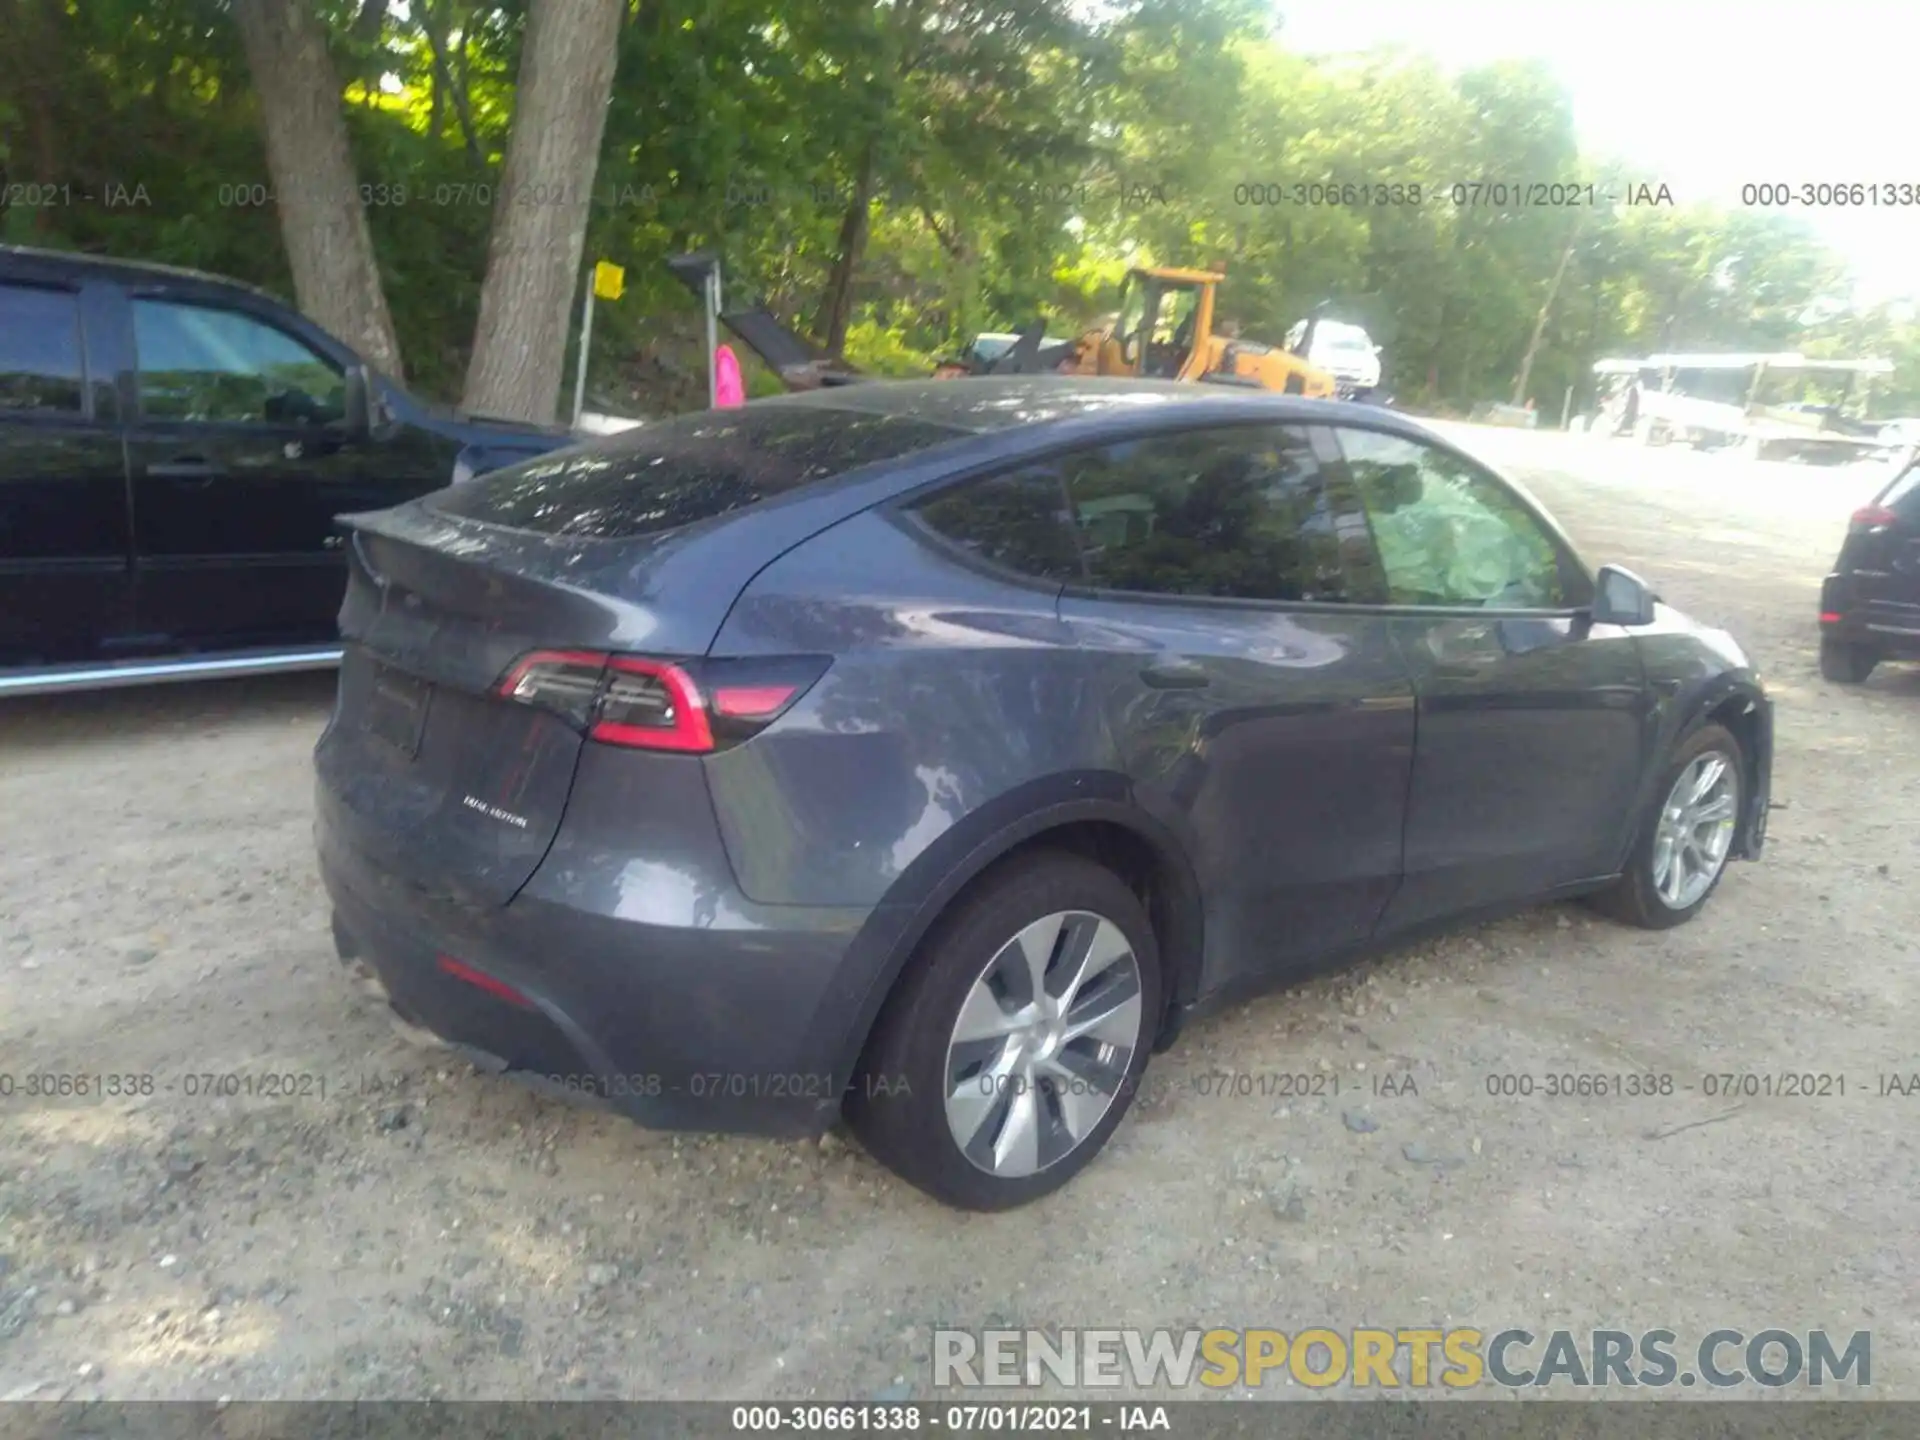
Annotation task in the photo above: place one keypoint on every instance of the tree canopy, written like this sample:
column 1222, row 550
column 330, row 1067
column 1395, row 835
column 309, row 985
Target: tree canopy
column 896, row 177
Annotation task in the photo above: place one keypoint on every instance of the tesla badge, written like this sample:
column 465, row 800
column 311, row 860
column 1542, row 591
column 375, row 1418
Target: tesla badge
column 494, row 812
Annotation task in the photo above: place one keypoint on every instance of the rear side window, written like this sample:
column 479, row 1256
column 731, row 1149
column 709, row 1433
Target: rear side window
column 686, row 470
column 1017, row 521
column 1903, row 496
column 39, row 351
column 1238, row 513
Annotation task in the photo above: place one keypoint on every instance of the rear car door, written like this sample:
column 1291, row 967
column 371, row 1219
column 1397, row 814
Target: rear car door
column 1533, row 720
column 65, row 551
column 1259, row 714
column 239, row 467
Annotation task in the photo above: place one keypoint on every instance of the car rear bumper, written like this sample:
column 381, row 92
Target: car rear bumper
column 654, row 988
column 1889, row 627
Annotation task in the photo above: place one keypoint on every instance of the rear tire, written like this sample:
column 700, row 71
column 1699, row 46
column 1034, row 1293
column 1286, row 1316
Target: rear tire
column 950, row 1053
column 1846, row 663
column 1639, row 896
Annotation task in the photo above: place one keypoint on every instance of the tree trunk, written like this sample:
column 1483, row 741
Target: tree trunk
column 436, row 105
column 540, row 219
column 1444, row 348
column 445, row 80
column 36, row 29
column 1540, row 320
column 322, row 222
column 462, row 65
column 368, row 24
column 952, row 244
column 836, row 308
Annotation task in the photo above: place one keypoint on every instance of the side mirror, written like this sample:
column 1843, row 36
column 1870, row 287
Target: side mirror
column 1621, row 597
column 356, row 422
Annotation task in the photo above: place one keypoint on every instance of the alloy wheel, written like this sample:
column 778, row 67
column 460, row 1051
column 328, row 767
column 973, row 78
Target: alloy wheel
column 1043, row 1043
column 1695, row 833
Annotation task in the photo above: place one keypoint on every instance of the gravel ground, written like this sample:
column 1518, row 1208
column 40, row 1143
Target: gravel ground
column 425, row 1231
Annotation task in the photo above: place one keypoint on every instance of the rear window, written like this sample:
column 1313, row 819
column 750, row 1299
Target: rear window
column 1903, row 496
column 685, row 470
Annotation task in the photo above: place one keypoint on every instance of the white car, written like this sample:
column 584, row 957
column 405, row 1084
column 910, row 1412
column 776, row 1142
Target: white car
column 1344, row 351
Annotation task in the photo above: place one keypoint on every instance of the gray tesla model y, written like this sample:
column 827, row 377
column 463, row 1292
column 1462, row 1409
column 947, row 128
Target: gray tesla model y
column 927, row 753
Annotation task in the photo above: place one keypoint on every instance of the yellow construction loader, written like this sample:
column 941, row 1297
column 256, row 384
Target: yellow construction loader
column 1163, row 330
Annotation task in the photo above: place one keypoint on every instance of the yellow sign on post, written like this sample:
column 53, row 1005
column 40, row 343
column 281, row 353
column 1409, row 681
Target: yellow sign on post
column 609, row 280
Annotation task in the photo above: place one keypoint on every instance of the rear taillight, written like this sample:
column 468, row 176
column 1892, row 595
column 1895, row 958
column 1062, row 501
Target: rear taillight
column 653, row 705
column 1872, row 517
column 564, row 681
column 749, row 702
column 690, row 706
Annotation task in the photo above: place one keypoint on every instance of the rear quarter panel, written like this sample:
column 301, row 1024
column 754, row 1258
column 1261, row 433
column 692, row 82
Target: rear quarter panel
column 951, row 689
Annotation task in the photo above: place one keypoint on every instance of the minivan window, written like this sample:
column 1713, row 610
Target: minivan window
column 692, row 468
column 202, row 363
column 1018, row 521
column 1240, row 512
column 39, row 351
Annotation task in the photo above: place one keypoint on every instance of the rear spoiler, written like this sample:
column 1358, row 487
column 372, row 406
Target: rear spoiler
column 800, row 364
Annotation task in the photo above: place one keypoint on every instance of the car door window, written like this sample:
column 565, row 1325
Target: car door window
column 40, row 366
column 1017, row 521
column 198, row 362
column 1449, row 533
column 1240, row 512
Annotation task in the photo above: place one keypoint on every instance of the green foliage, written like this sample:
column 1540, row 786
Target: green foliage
column 881, row 351
column 1018, row 155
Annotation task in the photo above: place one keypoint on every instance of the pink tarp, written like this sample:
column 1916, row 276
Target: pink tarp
column 728, row 389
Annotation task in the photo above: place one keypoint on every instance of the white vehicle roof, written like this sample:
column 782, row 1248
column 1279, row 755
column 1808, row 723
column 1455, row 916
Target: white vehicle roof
column 1340, row 332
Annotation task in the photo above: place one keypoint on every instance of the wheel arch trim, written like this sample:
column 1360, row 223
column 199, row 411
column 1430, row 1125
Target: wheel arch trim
column 1742, row 688
column 930, row 884
column 1681, row 712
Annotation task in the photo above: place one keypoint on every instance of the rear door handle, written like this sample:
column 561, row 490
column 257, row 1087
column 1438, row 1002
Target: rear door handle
column 188, row 469
column 1175, row 677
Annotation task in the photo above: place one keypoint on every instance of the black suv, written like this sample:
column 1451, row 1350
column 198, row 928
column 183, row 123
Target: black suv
column 1870, row 604
column 173, row 449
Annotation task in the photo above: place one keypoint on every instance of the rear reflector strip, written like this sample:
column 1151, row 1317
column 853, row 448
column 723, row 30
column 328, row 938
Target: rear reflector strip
column 750, row 702
column 480, row 980
column 1829, row 617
